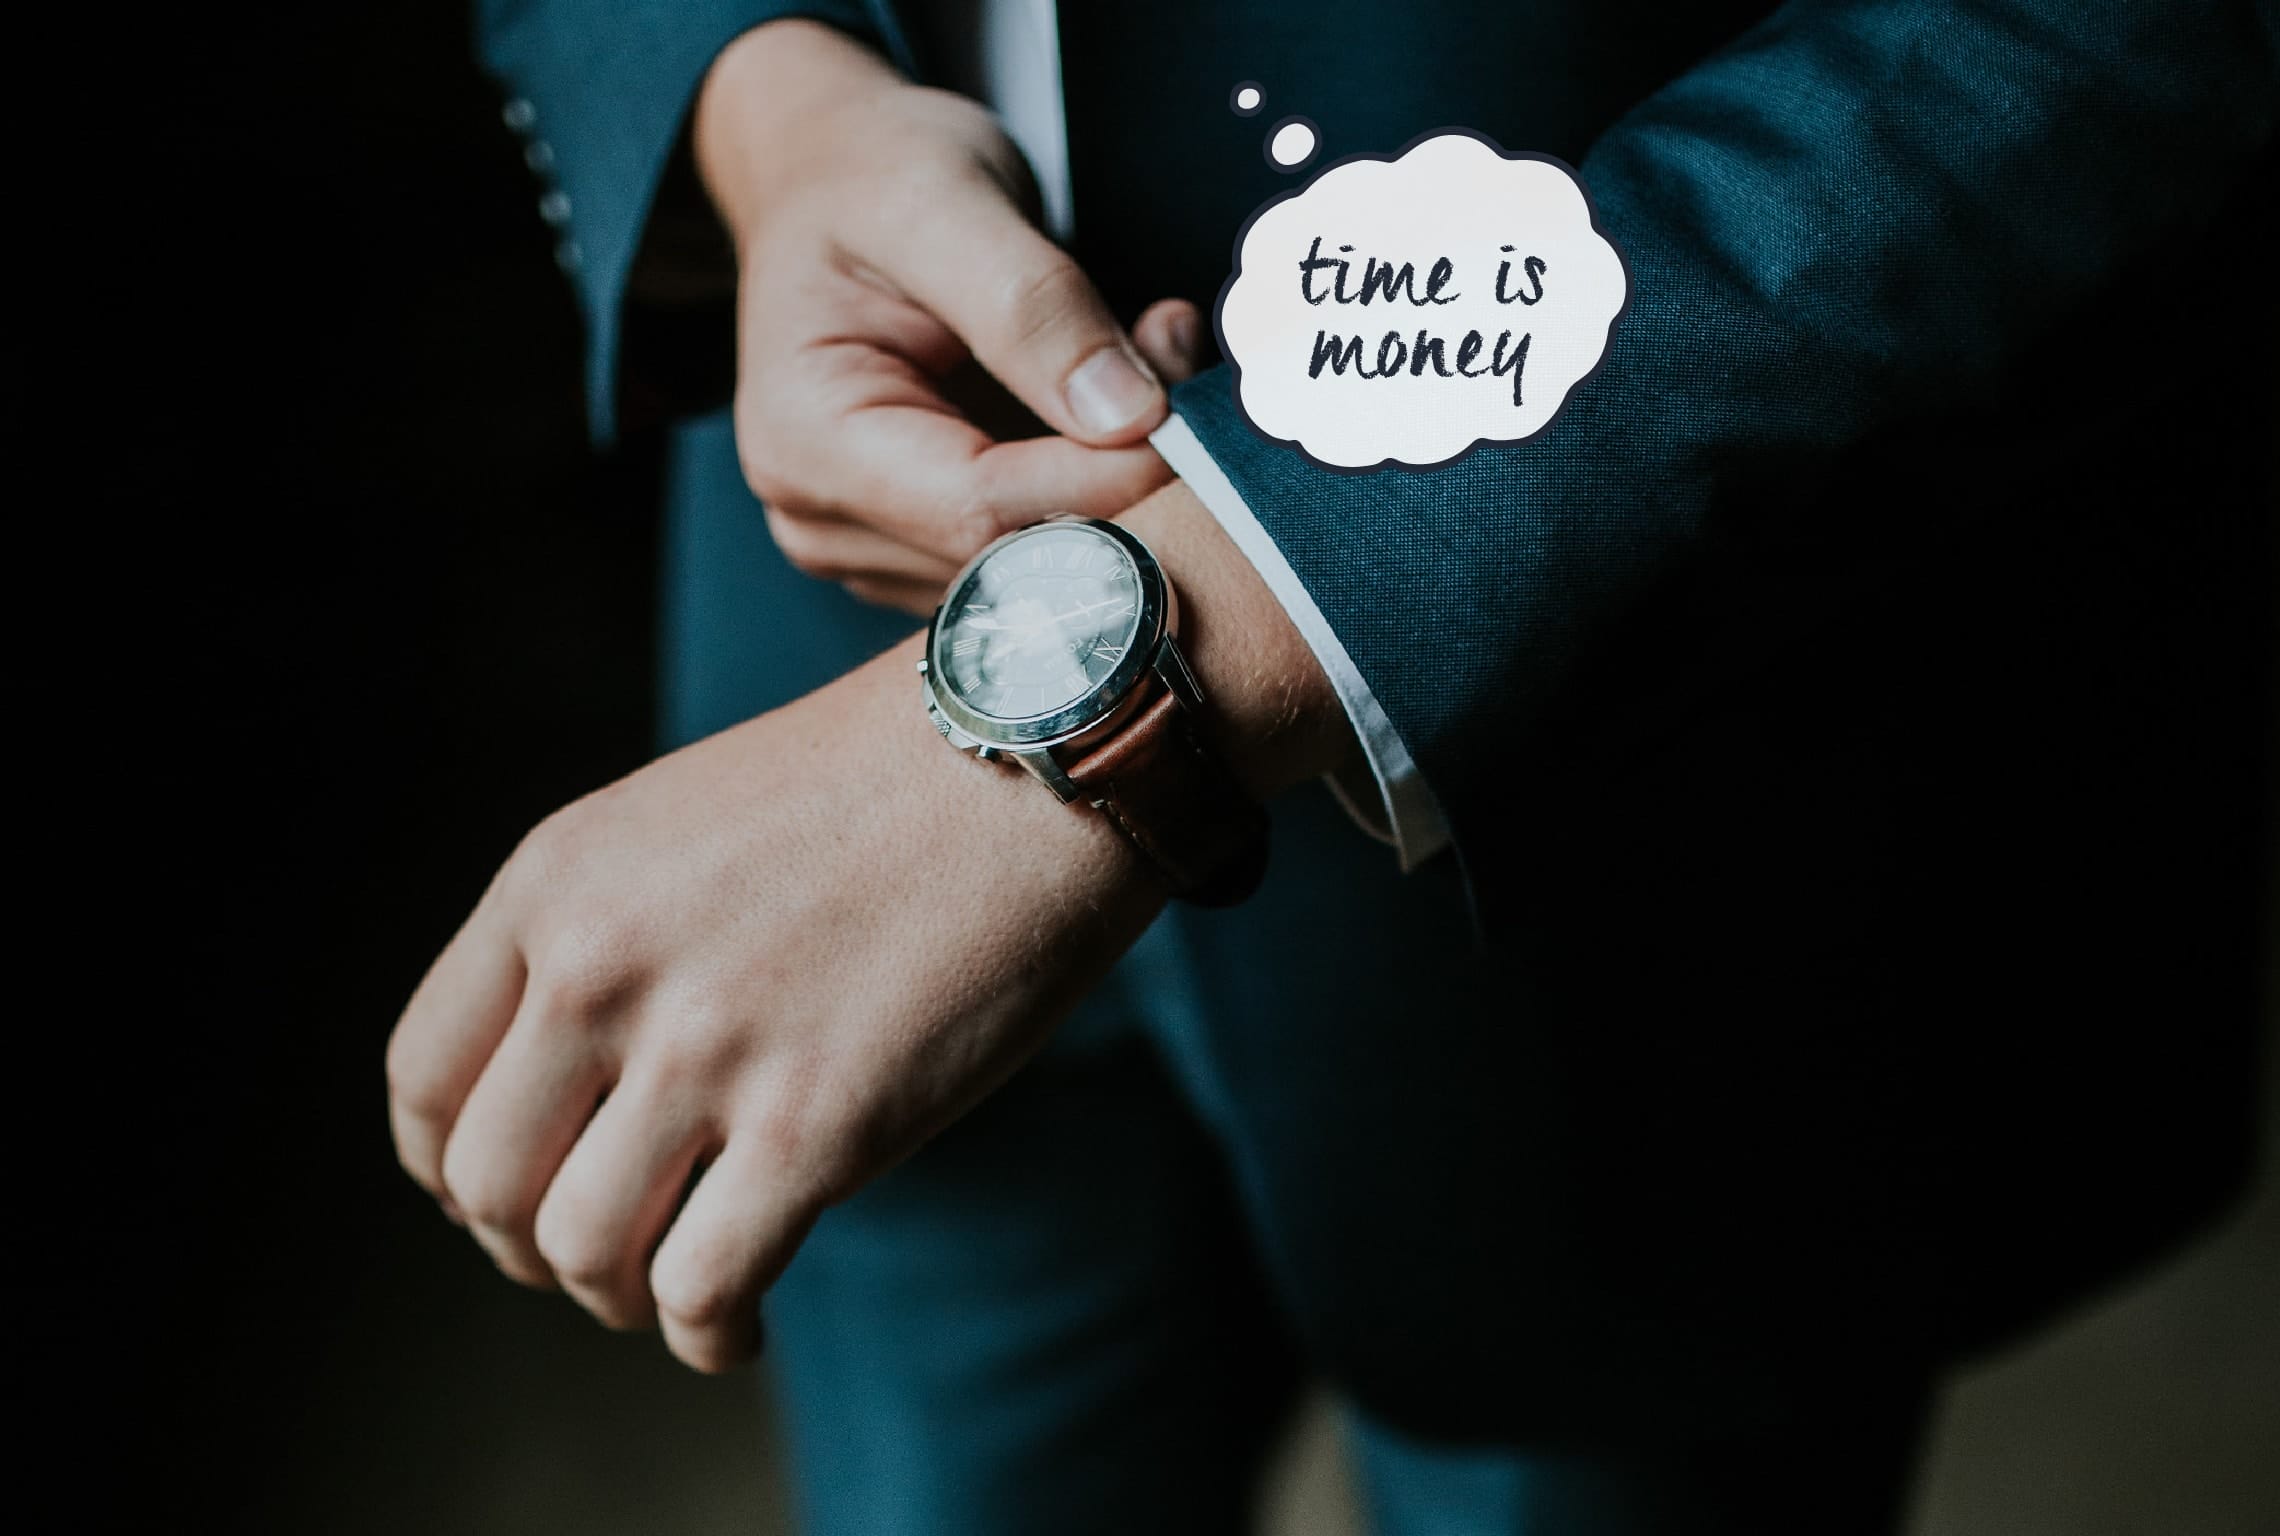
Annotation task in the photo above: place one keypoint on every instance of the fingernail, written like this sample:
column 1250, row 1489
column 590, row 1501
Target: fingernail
column 1183, row 335
column 1111, row 390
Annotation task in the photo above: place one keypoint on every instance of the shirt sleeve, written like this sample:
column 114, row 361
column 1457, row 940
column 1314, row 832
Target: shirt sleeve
column 1395, row 804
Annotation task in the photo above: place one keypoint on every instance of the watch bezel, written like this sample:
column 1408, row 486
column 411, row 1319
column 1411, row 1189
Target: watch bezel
column 1093, row 706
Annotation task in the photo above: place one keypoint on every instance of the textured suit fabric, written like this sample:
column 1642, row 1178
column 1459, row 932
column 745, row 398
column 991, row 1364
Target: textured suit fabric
column 1850, row 712
column 609, row 85
column 1862, row 231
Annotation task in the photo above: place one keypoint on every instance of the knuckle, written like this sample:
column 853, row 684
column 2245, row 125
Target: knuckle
column 523, row 1270
column 885, row 594
column 832, row 1158
column 769, row 487
column 487, row 1203
column 416, row 1169
column 804, row 546
column 1041, row 298
column 699, row 1297
column 412, row 1088
column 706, row 1355
column 761, row 457
column 545, row 853
column 568, row 1246
column 702, row 1040
column 581, row 1261
column 793, row 1142
column 613, row 1309
column 975, row 518
column 818, row 1141
column 583, row 971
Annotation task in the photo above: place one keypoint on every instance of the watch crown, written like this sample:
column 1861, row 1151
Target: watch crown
column 922, row 666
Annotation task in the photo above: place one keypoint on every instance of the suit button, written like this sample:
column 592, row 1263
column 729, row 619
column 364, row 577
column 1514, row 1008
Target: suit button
column 554, row 207
column 519, row 114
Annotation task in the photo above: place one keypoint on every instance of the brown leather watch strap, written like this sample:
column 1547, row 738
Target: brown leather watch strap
column 1178, row 805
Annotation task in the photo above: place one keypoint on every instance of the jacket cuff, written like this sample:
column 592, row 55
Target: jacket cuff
column 600, row 93
column 1395, row 804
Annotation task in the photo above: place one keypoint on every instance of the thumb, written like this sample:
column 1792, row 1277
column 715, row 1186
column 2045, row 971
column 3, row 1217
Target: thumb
column 1169, row 334
column 1032, row 318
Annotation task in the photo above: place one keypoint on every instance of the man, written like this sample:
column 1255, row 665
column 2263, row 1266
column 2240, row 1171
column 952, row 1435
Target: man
column 1844, row 723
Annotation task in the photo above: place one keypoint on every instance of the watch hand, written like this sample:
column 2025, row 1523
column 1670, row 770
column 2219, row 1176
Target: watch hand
column 1106, row 602
column 1051, row 621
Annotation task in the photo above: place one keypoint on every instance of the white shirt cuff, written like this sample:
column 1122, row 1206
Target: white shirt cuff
column 1406, row 814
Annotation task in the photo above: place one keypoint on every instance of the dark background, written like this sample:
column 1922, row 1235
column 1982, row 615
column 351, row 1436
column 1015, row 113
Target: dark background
column 351, row 605
column 343, row 605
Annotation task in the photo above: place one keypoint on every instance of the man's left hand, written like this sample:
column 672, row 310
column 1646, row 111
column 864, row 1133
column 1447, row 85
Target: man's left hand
column 702, row 1004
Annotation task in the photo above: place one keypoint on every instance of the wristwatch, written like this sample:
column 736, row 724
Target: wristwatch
column 1056, row 648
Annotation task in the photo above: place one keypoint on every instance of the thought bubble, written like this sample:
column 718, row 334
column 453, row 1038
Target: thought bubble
column 1403, row 309
column 1292, row 143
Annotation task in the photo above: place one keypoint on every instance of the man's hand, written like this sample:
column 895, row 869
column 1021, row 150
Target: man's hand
column 775, row 962
column 883, row 242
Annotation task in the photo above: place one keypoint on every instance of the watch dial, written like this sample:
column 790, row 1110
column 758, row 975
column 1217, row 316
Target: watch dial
column 1041, row 623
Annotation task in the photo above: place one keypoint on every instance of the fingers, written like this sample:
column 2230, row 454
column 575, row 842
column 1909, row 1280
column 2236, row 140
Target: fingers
column 846, row 422
column 835, row 549
column 907, row 468
column 520, row 1120
column 448, row 1030
column 874, row 569
column 1030, row 315
column 1169, row 334
column 938, row 483
column 616, row 1191
column 742, row 1223
column 917, row 601
column 1038, row 476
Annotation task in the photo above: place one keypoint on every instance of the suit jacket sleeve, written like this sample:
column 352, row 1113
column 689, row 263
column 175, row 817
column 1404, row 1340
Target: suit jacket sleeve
column 1859, row 212
column 606, row 87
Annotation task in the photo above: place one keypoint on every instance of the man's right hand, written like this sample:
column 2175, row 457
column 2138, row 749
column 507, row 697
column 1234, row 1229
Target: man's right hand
column 883, row 239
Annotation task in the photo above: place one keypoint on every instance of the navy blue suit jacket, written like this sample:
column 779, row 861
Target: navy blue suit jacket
column 1851, row 713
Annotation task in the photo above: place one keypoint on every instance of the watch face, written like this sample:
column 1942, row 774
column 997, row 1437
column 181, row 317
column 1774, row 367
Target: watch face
column 1042, row 622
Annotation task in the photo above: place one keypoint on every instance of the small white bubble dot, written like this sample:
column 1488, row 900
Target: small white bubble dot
column 1292, row 145
column 1248, row 98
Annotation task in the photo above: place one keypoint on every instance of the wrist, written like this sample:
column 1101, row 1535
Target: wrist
column 1040, row 664
column 768, row 87
column 1275, row 719
column 974, row 812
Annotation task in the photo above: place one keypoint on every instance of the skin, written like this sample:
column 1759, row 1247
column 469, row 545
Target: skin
column 885, row 240
column 697, row 1007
